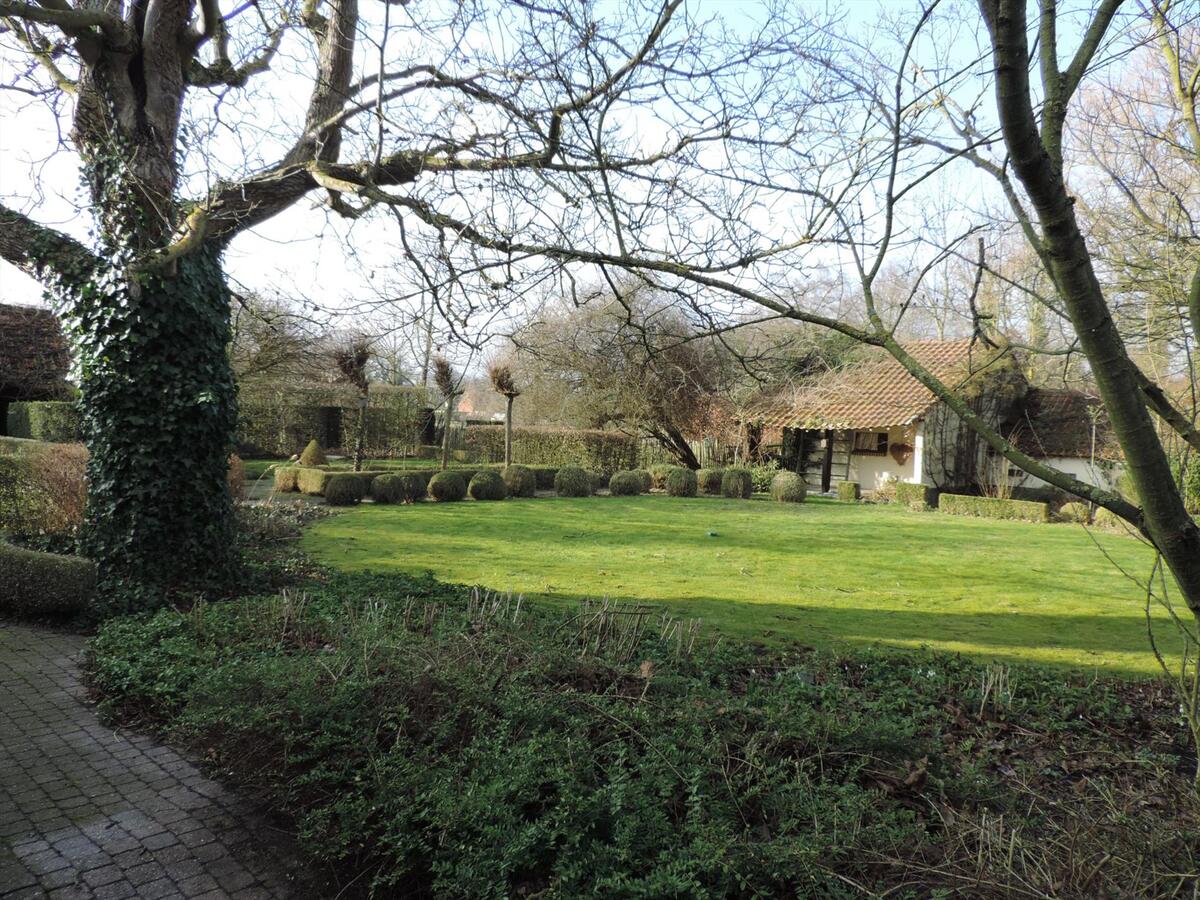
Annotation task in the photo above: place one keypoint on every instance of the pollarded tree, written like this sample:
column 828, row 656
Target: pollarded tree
column 427, row 107
column 352, row 359
column 450, row 386
column 501, row 376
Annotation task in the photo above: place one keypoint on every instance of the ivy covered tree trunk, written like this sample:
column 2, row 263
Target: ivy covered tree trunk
column 508, row 429
column 159, row 413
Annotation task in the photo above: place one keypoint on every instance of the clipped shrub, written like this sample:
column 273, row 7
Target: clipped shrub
column 447, row 486
column 625, row 484
column 788, row 487
column 487, row 485
column 681, row 482
column 994, row 508
column 601, row 451
column 544, row 475
column 914, row 496
column 708, row 481
column 236, row 477
column 344, row 490
column 849, row 491
column 397, row 488
column 736, row 483
column 311, row 481
column 1075, row 511
column 285, row 479
column 520, row 480
column 313, row 455
column 658, row 476
column 36, row 584
column 646, row 479
column 572, row 481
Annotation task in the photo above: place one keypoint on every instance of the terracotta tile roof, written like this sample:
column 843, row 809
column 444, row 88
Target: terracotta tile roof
column 874, row 393
column 1058, row 422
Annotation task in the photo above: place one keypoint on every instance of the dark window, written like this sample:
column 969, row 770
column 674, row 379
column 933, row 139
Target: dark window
column 870, row 443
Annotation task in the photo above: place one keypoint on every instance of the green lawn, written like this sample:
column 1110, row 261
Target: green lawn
column 816, row 573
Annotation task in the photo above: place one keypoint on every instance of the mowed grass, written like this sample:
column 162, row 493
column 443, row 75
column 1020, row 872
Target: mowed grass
column 816, row 573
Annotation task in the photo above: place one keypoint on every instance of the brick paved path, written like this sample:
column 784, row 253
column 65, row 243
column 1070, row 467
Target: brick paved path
column 89, row 812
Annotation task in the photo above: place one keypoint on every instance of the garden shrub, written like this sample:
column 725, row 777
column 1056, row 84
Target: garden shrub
column 310, row 480
column 681, row 482
column 521, row 481
column 344, row 490
column 994, row 508
column 1075, row 511
column 848, row 491
column 736, row 483
column 236, row 477
column 914, row 496
column 645, row 478
column 285, row 478
column 572, row 481
column 625, row 484
column 658, row 476
column 313, row 455
column 788, row 487
column 762, row 475
column 44, row 584
column 397, row 488
column 487, row 485
column 544, row 475
column 447, row 486
column 1106, row 518
column 708, row 481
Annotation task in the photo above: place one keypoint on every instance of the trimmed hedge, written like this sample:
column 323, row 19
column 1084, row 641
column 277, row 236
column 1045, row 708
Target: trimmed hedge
column 487, row 485
column 572, row 481
column 737, row 484
column 708, row 481
column 447, row 486
column 646, row 479
column 625, row 484
column 52, row 421
column 601, row 451
column 915, row 496
column 681, row 482
column 520, row 480
column 285, row 478
column 994, row 508
column 36, row 584
column 1106, row 518
column 398, row 489
column 849, row 491
column 788, row 487
column 345, row 490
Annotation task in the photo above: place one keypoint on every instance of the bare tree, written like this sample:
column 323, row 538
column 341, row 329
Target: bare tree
column 501, row 376
column 173, row 178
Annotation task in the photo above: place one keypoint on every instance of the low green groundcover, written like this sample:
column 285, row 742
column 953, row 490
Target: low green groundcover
column 433, row 745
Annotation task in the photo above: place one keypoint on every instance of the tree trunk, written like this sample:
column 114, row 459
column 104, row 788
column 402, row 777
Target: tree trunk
column 159, row 417
column 508, row 428
column 360, row 430
column 446, row 431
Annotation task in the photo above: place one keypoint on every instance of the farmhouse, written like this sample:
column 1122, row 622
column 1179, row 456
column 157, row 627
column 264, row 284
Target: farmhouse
column 872, row 422
column 33, row 357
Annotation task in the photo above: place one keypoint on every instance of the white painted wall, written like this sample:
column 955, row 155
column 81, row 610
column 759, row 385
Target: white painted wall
column 1103, row 474
column 872, row 471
